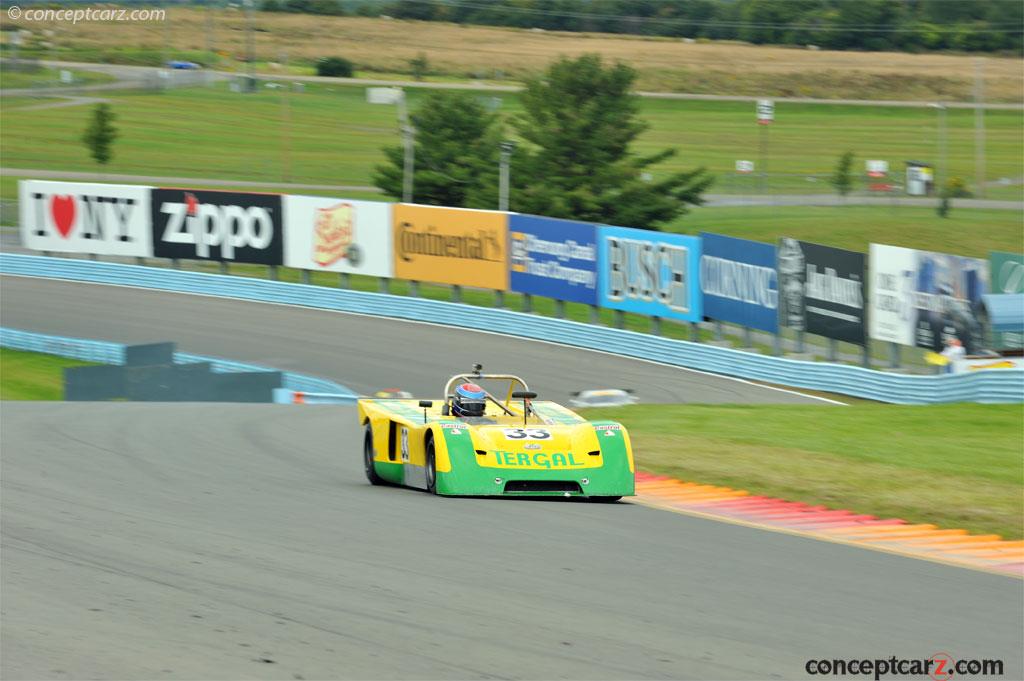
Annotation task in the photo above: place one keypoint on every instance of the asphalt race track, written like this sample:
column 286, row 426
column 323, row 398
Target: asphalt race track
column 242, row 541
column 363, row 353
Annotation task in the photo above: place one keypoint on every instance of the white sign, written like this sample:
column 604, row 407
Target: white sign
column 765, row 111
column 82, row 217
column 337, row 235
column 877, row 168
column 384, row 95
column 744, row 166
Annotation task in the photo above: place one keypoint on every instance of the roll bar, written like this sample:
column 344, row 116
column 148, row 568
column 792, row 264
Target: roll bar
column 477, row 375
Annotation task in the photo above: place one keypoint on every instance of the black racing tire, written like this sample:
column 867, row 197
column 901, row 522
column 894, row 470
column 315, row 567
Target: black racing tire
column 371, row 472
column 604, row 500
column 431, row 465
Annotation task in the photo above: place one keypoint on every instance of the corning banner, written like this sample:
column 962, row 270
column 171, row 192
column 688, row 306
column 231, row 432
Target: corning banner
column 337, row 235
column 1007, row 277
column 553, row 258
column 196, row 224
column 739, row 282
column 80, row 217
column 649, row 272
column 821, row 290
column 451, row 245
column 923, row 298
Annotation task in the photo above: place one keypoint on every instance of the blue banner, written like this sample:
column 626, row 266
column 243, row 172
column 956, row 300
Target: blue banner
column 649, row 273
column 739, row 282
column 553, row 258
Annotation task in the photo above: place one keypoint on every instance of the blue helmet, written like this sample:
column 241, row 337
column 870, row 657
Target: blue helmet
column 469, row 400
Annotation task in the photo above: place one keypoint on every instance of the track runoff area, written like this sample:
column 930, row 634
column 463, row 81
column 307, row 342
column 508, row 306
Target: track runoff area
column 249, row 543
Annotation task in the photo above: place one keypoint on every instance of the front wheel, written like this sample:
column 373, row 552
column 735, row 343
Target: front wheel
column 371, row 472
column 431, row 466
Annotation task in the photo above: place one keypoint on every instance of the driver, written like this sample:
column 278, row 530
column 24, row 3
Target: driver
column 469, row 400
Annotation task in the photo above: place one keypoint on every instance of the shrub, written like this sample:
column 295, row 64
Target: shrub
column 338, row 67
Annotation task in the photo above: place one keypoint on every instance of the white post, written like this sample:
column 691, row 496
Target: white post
column 507, row 147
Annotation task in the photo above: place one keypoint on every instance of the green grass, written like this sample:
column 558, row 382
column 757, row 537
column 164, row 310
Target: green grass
column 47, row 77
column 957, row 466
column 33, row 376
column 335, row 136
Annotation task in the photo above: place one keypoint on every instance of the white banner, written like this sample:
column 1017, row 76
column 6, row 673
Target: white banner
column 924, row 299
column 79, row 217
column 338, row 235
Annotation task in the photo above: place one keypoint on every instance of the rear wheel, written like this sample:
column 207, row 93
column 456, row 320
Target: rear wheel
column 371, row 472
column 431, row 466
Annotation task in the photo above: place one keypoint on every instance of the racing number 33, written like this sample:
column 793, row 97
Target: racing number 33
column 527, row 434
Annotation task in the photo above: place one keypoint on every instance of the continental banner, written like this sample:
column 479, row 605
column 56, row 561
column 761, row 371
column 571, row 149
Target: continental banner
column 739, row 282
column 553, row 258
column 451, row 245
column 337, row 235
column 80, row 217
column 821, row 290
column 1007, row 277
column 923, row 298
column 649, row 273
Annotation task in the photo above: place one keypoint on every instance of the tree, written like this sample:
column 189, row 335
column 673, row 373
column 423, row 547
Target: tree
column 456, row 154
column 842, row 177
column 579, row 123
column 100, row 134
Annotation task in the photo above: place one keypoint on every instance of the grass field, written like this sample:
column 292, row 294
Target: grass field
column 33, row 376
column 958, row 466
column 331, row 135
column 46, row 77
column 480, row 52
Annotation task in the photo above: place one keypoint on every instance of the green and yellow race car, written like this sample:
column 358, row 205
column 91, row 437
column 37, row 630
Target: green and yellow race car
column 473, row 444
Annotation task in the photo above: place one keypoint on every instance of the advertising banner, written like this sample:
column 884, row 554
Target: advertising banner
column 922, row 298
column 79, row 217
column 1007, row 277
column 337, row 235
column 738, row 281
column 451, row 245
column 196, row 224
column 822, row 290
column 649, row 272
column 553, row 258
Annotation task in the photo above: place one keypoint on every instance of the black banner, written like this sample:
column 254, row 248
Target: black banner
column 211, row 225
column 821, row 290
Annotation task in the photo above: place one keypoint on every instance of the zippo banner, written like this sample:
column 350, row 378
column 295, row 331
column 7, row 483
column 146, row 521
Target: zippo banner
column 451, row 245
column 194, row 224
column 553, row 258
column 739, row 282
column 649, row 273
column 922, row 298
column 821, row 290
column 1007, row 277
column 338, row 235
column 77, row 217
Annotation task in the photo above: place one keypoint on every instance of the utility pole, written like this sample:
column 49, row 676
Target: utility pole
column 250, row 46
column 507, row 147
column 286, row 137
column 979, row 127
column 409, row 142
column 942, row 176
column 765, row 116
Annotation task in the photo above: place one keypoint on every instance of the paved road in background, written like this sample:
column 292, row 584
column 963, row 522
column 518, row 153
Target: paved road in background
column 224, row 541
column 366, row 354
column 710, row 200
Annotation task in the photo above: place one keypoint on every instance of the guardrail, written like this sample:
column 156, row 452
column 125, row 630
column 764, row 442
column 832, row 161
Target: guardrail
column 1001, row 385
column 106, row 352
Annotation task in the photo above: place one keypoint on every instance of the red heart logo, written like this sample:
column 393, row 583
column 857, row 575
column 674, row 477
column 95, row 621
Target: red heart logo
column 62, row 209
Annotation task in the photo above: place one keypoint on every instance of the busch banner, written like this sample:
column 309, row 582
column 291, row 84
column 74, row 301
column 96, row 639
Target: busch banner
column 74, row 217
column 649, row 273
column 194, row 224
column 821, row 290
column 923, row 298
column 337, row 235
column 739, row 282
column 553, row 258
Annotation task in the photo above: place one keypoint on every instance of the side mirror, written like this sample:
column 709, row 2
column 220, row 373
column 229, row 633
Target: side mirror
column 524, row 395
column 426, row 404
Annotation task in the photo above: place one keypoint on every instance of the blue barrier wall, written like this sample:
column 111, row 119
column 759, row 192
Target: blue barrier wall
column 983, row 386
column 106, row 352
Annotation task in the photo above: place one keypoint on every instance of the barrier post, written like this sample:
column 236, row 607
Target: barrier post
column 894, row 356
column 223, row 266
column 272, row 272
column 305, row 277
column 694, row 332
column 620, row 319
column 866, row 354
column 656, row 326
column 384, row 285
column 777, row 344
column 499, row 299
column 560, row 309
column 718, row 330
column 800, row 347
column 833, row 350
column 344, row 281
column 140, row 261
column 456, row 293
column 175, row 263
column 748, row 337
column 527, row 302
column 92, row 256
column 595, row 315
column 414, row 289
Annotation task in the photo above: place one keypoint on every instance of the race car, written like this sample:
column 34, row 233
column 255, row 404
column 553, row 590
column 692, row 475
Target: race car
column 471, row 443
